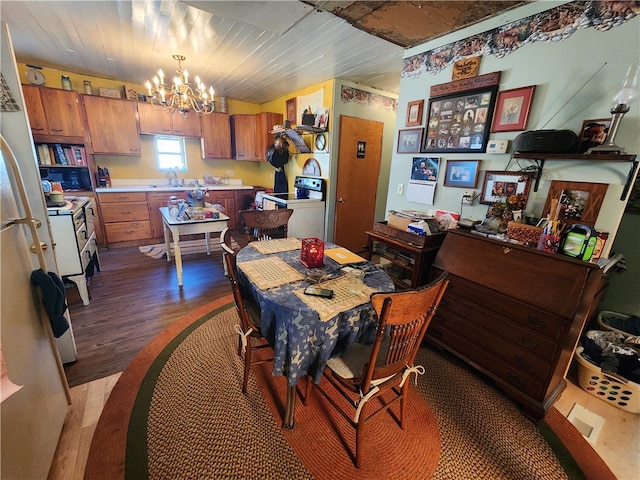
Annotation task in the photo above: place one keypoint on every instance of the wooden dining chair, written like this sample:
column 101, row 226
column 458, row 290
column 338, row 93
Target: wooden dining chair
column 266, row 224
column 366, row 372
column 250, row 338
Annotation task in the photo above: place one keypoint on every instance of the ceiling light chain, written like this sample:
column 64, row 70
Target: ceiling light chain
column 180, row 96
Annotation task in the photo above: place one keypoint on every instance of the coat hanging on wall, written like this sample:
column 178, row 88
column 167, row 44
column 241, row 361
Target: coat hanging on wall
column 278, row 156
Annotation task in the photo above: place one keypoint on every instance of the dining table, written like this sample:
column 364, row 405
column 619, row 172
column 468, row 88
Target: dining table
column 305, row 331
column 174, row 226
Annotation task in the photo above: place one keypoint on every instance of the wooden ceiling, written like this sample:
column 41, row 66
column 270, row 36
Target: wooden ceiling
column 254, row 51
column 410, row 23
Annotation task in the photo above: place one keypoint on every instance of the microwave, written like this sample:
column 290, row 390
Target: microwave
column 70, row 178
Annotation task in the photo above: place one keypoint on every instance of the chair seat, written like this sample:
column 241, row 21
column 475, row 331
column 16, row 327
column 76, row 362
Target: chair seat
column 253, row 309
column 351, row 363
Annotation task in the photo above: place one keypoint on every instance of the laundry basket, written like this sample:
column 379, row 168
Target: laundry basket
column 611, row 388
column 619, row 322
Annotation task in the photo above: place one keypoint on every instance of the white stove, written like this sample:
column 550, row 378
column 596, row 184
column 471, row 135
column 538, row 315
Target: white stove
column 307, row 203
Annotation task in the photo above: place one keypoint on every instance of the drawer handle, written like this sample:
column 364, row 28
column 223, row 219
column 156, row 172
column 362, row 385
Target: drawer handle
column 516, row 380
column 127, row 212
column 521, row 361
column 534, row 321
column 526, row 341
column 506, row 250
column 56, row 129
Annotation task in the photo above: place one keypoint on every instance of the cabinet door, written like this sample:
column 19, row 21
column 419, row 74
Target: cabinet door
column 216, row 136
column 35, row 109
column 226, row 198
column 243, row 138
column 155, row 201
column 153, row 120
column 112, row 125
column 264, row 124
column 62, row 110
column 186, row 125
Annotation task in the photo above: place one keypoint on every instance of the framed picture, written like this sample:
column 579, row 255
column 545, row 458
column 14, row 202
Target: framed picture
column 499, row 185
column 291, row 111
column 414, row 113
column 462, row 173
column 512, row 109
column 578, row 202
column 409, row 140
column 425, row 168
column 460, row 123
column 593, row 133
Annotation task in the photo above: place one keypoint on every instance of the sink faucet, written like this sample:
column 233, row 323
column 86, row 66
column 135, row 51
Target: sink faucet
column 173, row 180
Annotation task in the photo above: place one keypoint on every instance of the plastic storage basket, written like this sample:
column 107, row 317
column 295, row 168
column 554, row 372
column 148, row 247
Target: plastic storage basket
column 619, row 322
column 615, row 390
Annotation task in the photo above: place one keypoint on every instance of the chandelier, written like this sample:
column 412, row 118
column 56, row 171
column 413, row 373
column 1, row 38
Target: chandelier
column 180, row 95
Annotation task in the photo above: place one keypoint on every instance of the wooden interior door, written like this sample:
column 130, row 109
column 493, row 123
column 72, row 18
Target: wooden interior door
column 359, row 157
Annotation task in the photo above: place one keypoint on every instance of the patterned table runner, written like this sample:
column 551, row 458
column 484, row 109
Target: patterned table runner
column 344, row 298
column 277, row 245
column 270, row 272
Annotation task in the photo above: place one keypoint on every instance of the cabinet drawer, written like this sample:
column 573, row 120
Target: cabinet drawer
column 213, row 195
column 124, row 212
column 124, row 231
column 494, row 366
column 123, row 197
column 82, row 235
column 519, row 358
column 545, row 323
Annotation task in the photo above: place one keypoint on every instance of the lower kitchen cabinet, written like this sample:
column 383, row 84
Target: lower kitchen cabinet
column 125, row 216
column 226, row 198
column 155, row 201
column 514, row 313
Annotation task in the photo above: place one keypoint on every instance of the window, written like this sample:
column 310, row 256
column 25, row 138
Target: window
column 170, row 153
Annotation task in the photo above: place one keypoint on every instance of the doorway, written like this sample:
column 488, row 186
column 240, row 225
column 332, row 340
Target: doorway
column 359, row 157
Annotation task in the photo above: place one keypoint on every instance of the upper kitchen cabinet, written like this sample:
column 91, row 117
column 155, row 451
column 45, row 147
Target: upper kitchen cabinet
column 53, row 112
column 113, row 127
column 250, row 137
column 216, row 136
column 155, row 121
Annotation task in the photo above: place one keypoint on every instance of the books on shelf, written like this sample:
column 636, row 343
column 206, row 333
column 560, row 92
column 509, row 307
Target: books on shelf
column 59, row 154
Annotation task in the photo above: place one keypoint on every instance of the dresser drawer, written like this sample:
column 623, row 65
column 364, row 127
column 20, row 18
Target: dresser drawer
column 124, row 231
column 545, row 323
column 494, row 366
column 122, row 197
column 124, row 212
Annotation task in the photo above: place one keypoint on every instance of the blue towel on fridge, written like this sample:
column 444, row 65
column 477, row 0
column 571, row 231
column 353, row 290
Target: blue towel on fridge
column 53, row 299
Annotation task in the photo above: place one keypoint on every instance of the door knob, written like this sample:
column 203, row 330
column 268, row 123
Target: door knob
column 341, row 200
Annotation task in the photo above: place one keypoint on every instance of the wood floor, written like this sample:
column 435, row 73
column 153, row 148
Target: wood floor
column 135, row 297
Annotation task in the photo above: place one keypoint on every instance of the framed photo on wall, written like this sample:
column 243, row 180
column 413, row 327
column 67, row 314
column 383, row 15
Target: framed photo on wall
column 512, row 109
column 414, row 113
column 462, row 173
column 498, row 185
column 409, row 140
column 593, row 133
column 460, row 122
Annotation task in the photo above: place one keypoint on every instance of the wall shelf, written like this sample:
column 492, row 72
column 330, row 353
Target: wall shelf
column 540, row 158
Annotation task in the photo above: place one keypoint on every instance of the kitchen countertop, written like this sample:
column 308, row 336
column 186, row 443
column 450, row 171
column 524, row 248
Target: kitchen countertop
column 123, row 186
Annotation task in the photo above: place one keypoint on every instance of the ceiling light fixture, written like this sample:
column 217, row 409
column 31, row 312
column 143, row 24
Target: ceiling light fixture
column 180, row 95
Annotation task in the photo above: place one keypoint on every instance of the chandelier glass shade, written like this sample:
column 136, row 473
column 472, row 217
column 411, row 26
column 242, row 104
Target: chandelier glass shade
column 180, row 95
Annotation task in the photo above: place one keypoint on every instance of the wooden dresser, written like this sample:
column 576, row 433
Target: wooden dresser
column 514, row 313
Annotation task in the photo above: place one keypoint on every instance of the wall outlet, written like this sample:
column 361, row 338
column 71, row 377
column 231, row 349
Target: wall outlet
column 400, row 189
column 467, row 198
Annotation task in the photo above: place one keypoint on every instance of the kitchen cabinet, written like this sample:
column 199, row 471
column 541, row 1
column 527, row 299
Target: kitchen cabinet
column 154, row 121
column 53, row 112
column 216, row 136
column 514, row 313
column 112, row 124
column 408, row 264
column 155, row 201
column 226, row 198
column 125, row 216
column 250, row 137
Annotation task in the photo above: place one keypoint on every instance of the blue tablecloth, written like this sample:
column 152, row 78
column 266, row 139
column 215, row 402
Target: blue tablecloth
column 301, row 341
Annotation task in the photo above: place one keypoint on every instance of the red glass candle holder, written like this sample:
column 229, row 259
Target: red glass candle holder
column 312, row 252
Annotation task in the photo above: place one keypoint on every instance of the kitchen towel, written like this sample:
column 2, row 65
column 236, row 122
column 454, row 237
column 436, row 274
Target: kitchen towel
column 53, row 299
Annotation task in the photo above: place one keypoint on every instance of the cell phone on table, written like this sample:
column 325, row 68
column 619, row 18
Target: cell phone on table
column 319, row 292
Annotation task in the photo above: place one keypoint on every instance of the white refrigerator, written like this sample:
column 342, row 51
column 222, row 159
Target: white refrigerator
column 32, row 417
